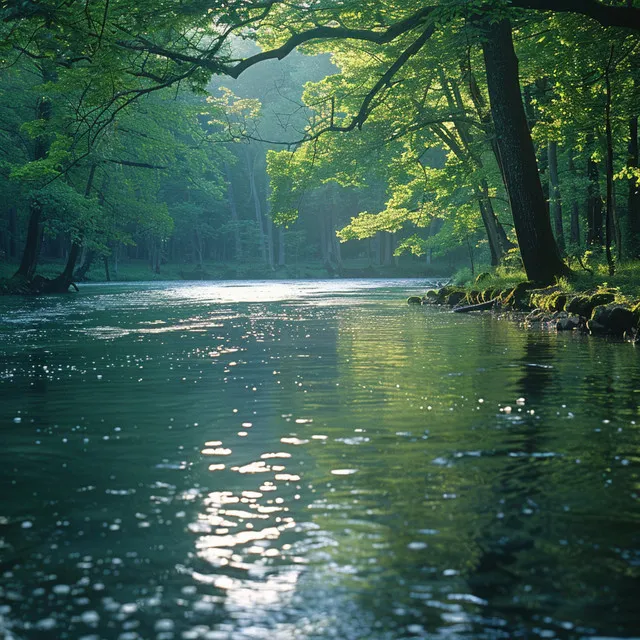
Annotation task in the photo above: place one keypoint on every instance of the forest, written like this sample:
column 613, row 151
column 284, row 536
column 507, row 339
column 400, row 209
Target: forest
column 319, row 319
column 257, row 137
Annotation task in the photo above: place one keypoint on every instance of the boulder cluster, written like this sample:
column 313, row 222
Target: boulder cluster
column 602, row 312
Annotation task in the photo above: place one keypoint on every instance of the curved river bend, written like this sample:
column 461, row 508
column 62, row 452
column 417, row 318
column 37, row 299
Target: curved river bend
column 311, row 460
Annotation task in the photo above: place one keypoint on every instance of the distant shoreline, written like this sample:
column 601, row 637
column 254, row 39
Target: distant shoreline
column 169, row 272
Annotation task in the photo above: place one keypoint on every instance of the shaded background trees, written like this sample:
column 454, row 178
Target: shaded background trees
column 166, row 135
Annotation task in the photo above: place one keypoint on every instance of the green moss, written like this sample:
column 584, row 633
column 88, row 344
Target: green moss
column 578, row 305
column 473, row 297
column 551, row 299
column 518, row 298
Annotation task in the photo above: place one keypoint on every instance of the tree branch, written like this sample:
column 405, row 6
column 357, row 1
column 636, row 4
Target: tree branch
column 366, row 106
column 418, row 19
column 131, row 163
column 608, row 16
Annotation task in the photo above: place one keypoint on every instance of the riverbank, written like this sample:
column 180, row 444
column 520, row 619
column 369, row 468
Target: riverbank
column 588, row 304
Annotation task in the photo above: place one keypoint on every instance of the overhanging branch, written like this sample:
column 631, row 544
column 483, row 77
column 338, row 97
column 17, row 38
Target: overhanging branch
column 419, row 18
column 608, row 16
column 367, row 105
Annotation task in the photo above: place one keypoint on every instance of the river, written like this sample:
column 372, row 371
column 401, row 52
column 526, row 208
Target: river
column 311, row 460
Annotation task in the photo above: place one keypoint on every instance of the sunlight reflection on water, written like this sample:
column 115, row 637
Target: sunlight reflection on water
column 310, row 460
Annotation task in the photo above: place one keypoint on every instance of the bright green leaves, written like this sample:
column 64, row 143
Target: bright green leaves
column 367, row 225
column 41, row 171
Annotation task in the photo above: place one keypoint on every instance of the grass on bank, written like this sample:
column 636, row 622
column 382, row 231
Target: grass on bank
column 626, row 281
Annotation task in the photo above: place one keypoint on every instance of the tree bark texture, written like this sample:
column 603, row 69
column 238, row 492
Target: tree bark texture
column 538, row 247
column 497, row 238
column 63, row 281
column 82, row 270
column 251, row 165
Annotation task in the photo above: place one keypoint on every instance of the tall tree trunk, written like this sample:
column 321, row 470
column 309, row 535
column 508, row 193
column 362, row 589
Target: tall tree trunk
column 633, row 200
column 336, row 247
column 471, row 260
column 4, row 244
column 116, row 255
column 251, row 165
column 538, row 247
column 13, row 233
column 281, row 247
column 66, row 277
column 492, row 224
column 610, row 221
column 269, row 242
column 234, row 214
column 63, row 281
column 485, row 117
column 555, row 201
column 29, row 260
column 498, row 242
column 157, row 255
column 575, row 212
column 322, row 223
column 379, row 249
column 31, row 251
column 271, row 253
column 491, row 230
column 81, row 271
column 595, row 236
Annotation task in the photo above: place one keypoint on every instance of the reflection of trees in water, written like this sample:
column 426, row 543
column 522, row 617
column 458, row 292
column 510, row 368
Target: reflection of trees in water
column 406, row 521
column 508, row 543
column 540, row 560
column 611, row 384
column 535, row 560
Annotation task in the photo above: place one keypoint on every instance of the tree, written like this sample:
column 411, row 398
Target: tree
column 538, row 248
column 128, row 54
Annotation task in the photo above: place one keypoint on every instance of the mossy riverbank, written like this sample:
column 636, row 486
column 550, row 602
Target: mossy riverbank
column 602, row 311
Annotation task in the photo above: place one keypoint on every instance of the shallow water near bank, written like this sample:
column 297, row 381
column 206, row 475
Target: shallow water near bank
column 311, row 460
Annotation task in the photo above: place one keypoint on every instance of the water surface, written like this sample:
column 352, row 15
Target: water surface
column 311, row 460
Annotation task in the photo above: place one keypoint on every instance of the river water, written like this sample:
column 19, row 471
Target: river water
column 311, row 460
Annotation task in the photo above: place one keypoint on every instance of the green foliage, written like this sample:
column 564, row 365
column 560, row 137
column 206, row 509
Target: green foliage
column 109, row 127
column 44, row 170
